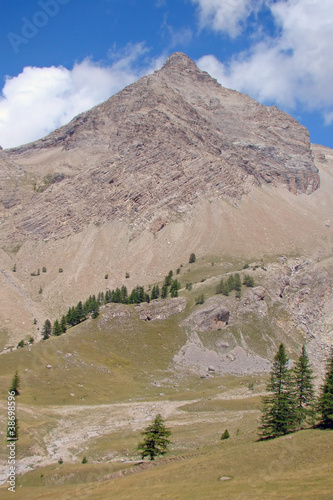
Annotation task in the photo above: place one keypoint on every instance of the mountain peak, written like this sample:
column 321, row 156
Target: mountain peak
column 179, row 61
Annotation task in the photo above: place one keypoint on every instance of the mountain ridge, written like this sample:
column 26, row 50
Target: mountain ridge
column 155, row 148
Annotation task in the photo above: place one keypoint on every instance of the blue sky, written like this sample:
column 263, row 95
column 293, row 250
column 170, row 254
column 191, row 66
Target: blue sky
column 61, row 57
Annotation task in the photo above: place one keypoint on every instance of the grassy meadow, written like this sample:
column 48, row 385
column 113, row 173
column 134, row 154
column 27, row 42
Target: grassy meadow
column 89, row 393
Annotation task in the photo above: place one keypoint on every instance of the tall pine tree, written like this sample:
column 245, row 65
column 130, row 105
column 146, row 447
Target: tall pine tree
column 303, row 378
column 279, row 412
column 47, row 329
column 325, row 402
column 56, row 329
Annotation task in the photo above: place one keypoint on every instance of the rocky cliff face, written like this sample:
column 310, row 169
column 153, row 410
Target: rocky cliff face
column 152, row 151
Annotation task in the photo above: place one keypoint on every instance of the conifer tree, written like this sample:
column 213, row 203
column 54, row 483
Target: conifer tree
column 237, row 283
column 14, row 387
column 123, row 294
column 225, row 435
column 231, row 282
column 133, row 298
column 175, row 286
column 47, row 329
column 108, row 297
column 155, row 439
column 325, row 402
column 141, row 294
column 164, row 292
column 116, row 296
column 80, row 316
column 168, row 278
column 155, row 292
column 56, row 329
column 279, row 412
column 303, row 378
column 63, row 324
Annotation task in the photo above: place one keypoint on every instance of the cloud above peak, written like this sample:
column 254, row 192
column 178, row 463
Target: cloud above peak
column 39, row 100
column 294, row 67
column 226, row 16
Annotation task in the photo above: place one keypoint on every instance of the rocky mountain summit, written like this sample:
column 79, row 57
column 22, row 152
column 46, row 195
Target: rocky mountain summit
column 152, row 151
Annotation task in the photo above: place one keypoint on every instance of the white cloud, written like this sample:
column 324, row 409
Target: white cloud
column 293, row 68
column 39, row 100
column 228, row 16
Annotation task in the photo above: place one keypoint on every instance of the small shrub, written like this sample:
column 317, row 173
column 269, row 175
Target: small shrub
column 20, row 344
column 248, row 281
column 106, row 277
column 60, row 270
column 40, row 291
column 14, row 268
column 222, row 287
column 84, row 460
column 60, row 461
column 188, row 286
column 44, row 269
column 225, row 435
column 31, row 340
column 192, row 258
column 127, row 275
column 200, row 299
column 178, row 270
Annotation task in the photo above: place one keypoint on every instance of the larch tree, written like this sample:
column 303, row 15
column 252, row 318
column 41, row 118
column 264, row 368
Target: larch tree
column 47, row 329
column 279, row 415
column 304, row 388
column 325, row 401
column 14, row 387
column 156, row 439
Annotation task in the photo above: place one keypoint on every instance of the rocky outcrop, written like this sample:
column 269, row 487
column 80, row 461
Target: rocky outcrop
column 160, row 308
column 211, row 316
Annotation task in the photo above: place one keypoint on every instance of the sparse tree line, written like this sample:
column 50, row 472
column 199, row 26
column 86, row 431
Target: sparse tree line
column 234, row 282
column 291, row 403
column 90, row 308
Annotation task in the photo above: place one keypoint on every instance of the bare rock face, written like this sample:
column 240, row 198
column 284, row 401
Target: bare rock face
column 152, row 151
column 160, row 308
column 211, row 316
